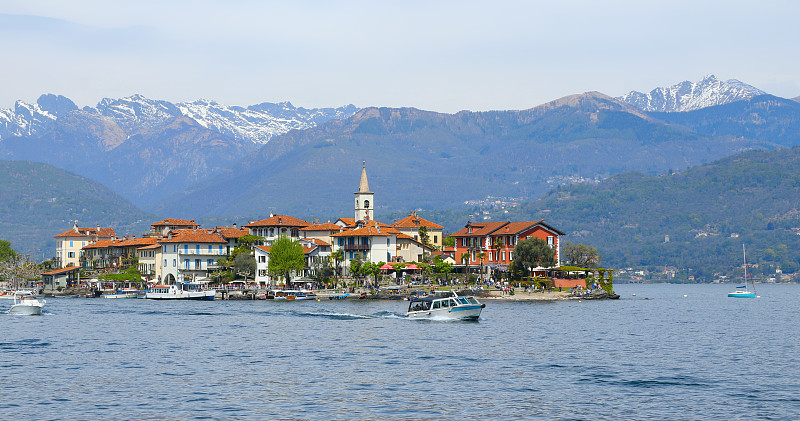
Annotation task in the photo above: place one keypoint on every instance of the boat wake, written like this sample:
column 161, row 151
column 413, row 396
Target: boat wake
column 350, row 316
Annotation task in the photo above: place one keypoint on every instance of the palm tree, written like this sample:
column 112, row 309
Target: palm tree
column 337, row 257
column 465, row 258
column 482, row 256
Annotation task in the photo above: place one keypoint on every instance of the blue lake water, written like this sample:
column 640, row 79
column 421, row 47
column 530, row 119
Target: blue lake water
column 657, row 355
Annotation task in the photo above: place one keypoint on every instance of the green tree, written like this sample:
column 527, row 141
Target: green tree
column 285, row 256
column 531, row 253
column 465, row 259
column 440, row 266
column 581, row 255
column 5, row 250
column 424, row 238
column 338, row 257
column 482, row 257
column 244, row 264
column 448, row 241
column 249, row 240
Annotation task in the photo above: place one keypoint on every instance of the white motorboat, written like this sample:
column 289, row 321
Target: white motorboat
column 26, row 304
column 452, row 307
column 180, row 291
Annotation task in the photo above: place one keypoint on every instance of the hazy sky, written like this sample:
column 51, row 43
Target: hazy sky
column 434, row 55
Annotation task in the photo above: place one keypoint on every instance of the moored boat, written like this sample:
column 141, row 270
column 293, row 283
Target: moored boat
column 743, row 291
column 25, row 303
column 451, row 307
column 180, row 291
column 290, row 294
column 123, row 293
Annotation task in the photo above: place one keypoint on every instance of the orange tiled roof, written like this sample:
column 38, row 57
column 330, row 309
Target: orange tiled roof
column 149, row 247
column 168, row 222
column 319, row 242
column 368, row 231
column 479, row 229
column 279, row 221
column 306, row 250
column 321, row 227
column 57, row 271
column 89, row 232
column 231, row 232
column 414, row 221
column 101, row 244
column 131, row 242
column 190, row 236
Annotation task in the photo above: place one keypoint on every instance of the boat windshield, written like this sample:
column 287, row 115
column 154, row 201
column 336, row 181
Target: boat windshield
column 419, row 306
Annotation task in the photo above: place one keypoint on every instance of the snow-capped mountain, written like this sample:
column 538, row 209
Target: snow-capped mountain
column 687, row 96
column 256, row 123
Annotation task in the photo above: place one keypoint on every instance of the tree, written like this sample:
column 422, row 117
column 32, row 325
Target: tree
column 18, row 268
column 245, row 264
column 338, row 257
column 248, row 240
column 482, row 257
column 424, row 238
column 443, row 267
column 581, row 255
column 530, row 253
column 357, row 267
column 465, row 258
column 5, row 250
column 285, row 256
column 448, row 241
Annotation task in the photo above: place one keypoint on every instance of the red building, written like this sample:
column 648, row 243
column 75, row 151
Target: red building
column 496, row 240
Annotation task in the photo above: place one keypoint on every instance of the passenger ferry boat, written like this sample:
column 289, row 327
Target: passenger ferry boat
column 180, row 291
column 453, row 307
column 290, row 294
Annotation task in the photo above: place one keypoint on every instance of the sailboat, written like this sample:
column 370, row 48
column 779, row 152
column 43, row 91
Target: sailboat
column 742, row 291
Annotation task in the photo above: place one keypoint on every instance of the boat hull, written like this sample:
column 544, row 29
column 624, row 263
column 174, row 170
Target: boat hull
column 470, row 312
column 743, row 294
column 205, row 296
column 25, row 310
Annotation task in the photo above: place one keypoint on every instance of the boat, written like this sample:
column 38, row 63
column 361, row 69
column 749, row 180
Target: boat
column 180, row 291
column 290, row 294
column 451, row 307
column 26, row 303
column 743, row 291
column 123, row 293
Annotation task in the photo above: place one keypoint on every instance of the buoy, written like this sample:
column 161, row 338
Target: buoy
column 634, row 294
column 684, row 295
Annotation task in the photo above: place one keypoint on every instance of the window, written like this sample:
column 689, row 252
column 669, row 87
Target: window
column 210, row 262
column 503, row 255
column 435, row 239
column 165, row 262
column 209, row 249
column 197, row 249
column 387, row 242
column 186, row 263
column 366, row 204
column 71, row 254
column 550, row 241
column 70, row 243
column 198, row 264
column 174, row 248
column 220, row 249
column 174, row 262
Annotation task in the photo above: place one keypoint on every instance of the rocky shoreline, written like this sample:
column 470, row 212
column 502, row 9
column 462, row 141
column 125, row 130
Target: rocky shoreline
column 488, row 294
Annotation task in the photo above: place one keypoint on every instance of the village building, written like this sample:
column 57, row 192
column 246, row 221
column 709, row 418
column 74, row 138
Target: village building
column 187, row 255
column 61, row 278
column 70, row 243
column 276, row 226
column 492, row 243
column 322, row 232
column 114, row 253
column 162, row 228
column 317, row 254
column 150, row 261
column 411, row 224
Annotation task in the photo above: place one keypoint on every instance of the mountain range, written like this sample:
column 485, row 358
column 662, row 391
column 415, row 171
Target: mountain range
column 204, row 159
column 688, row 96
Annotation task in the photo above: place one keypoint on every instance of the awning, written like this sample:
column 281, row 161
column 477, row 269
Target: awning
column 411, row 267
column 386, row 266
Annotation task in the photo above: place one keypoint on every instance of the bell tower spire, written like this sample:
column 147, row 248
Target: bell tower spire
column 364, row 202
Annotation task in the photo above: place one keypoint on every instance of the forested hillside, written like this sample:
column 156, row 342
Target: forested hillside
column 39, row 201
column 706, row 212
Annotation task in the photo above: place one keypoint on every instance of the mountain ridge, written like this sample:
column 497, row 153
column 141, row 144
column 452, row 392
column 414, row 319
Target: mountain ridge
column 688, row 96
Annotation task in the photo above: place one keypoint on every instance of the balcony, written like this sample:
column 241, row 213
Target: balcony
column 356, row 247
column 202, row 252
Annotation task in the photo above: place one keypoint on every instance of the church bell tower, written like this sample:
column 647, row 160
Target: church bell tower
column 364, row 202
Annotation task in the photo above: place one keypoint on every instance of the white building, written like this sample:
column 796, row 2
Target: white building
column 317, row 253
column 188, row 254
column 70, row 243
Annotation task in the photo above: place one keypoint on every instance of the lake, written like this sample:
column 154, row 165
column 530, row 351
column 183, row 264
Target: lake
column 676, row 352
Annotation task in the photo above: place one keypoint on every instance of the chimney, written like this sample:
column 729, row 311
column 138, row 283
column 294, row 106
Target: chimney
column 234, row 226
column 75, row 226
column 251, row 221
column 271, row 214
